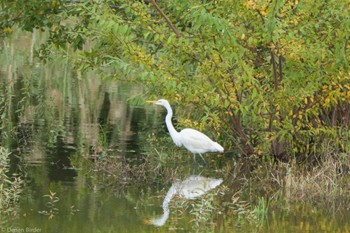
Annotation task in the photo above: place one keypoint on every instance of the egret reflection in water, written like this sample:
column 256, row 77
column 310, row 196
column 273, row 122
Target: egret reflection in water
column 190, row 188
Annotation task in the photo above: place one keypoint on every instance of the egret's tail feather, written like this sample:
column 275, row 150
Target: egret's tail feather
column 218, row 147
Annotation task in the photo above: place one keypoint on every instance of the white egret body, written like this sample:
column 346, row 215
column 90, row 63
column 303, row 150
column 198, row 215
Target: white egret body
column 193, row 140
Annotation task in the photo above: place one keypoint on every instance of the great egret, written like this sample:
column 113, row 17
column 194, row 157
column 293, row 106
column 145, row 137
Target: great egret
column 193, row 140
column 190, row 188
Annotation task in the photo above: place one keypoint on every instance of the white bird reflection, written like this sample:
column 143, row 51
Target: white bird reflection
column 190, row 188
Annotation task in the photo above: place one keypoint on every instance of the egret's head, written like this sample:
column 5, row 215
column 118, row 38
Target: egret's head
column 162, row 102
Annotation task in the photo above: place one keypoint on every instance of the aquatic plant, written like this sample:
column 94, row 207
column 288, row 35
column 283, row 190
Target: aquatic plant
column 10, row 185
column 202, row 211
column 261, row 209
column 52, row 209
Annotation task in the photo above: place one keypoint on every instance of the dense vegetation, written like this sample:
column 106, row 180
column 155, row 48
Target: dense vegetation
column 269, row 77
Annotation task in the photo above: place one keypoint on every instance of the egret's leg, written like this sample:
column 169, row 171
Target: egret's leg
column 194, row 159
column 204, row 163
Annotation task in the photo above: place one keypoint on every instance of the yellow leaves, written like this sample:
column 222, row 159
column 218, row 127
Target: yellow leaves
column 228, row 102
column 309, row 100
column 229, row 113
column 336, row 91
column 141, row 56
column 192, row 124
column 52, row 194
column 55, row 28
column 326, row 102
column 216, row 58
column 295, row 21
column 54, row 4
column 312, row 98
column 251, row 4
column 261, row 7
column 7, row 30
column 263, row 12
column 178, row 97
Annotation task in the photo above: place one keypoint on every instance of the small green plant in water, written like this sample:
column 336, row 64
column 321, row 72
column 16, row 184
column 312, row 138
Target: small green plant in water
column 51, row 205
column 202, row 211
column 261, row 210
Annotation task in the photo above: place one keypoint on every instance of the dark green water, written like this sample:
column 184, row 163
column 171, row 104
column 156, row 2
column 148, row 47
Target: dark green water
column 58, row 119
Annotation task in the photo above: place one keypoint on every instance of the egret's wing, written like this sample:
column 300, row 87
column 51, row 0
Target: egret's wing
column 195, row 140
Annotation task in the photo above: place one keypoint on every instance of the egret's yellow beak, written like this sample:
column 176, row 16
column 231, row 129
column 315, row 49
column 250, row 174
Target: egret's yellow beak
column 151, row 101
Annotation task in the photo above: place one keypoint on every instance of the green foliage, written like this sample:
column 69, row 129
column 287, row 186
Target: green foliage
column 10, row 186
column 262, row 209
column 271, row 76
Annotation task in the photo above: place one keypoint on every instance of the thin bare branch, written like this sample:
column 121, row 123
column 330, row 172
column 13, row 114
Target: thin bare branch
column 171, row 25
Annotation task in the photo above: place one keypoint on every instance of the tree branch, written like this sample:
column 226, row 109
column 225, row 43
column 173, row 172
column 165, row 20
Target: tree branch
column 171, row 25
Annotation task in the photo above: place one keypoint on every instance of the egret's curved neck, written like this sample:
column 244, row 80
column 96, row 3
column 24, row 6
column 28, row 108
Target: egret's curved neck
column 160, row 221
column 173, row 133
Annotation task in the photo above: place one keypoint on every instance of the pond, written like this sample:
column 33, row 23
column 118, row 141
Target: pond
column 60, row 123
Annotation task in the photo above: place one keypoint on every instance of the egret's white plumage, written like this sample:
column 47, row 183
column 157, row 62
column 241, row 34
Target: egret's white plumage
column 191, row 139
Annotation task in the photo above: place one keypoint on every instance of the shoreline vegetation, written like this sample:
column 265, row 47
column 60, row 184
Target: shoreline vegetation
column 252, row 193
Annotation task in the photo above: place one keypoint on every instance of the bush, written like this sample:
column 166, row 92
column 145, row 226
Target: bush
column 271, row 76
